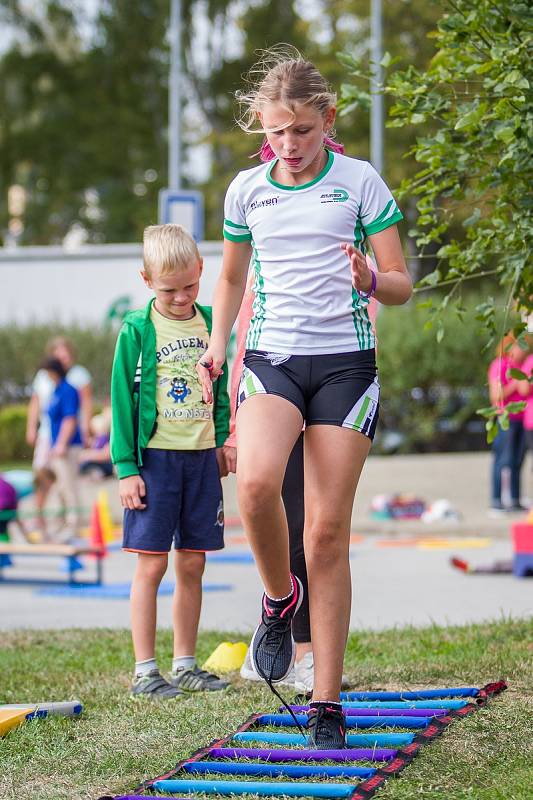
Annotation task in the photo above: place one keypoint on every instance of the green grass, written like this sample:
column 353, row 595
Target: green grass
column 117, row 743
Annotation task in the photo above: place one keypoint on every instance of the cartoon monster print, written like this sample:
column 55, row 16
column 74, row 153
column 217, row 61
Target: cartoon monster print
column 179, row 390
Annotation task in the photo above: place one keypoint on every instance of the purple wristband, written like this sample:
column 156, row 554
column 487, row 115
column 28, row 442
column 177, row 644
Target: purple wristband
column 372, row 287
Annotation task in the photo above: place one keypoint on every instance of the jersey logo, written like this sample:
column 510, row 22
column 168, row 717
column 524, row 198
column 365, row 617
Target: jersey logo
column 268, row 201
column 336, row 196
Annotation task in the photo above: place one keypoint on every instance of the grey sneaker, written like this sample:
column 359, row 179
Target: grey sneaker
column 196, row 680
column 153, row 687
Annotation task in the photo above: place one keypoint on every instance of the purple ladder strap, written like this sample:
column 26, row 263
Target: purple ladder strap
column 367, row 754
column 383, row 712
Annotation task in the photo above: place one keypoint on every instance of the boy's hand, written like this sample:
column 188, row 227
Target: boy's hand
column 209, row 368
column 132, row 493
column 230, row 454
column 221, row 461
column 361, row 274
column 59, row 450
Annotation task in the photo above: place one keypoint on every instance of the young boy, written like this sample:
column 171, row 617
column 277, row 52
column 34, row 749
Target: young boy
column 166, row 445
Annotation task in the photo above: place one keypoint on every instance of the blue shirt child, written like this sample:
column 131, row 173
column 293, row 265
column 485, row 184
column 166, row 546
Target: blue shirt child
column 65, row 402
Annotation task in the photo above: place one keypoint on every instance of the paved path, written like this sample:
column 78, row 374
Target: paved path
column 393, row 585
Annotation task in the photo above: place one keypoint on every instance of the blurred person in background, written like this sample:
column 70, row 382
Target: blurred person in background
column 65, row 439
column 509, row 445
column 95, row 460
column 525, row 389
column 38, row 428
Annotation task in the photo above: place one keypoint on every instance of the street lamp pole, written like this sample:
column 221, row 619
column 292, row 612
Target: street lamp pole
column 376, row 108
column 174, row 98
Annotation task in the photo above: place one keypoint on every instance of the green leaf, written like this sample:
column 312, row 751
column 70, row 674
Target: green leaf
column 518, row 374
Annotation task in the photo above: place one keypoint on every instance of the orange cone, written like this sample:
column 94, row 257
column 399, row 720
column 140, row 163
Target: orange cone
column 96, row 535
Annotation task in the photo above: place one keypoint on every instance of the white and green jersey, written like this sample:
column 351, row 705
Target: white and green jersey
column 304, row 300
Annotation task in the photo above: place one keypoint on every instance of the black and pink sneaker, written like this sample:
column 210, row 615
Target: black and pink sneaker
column 326, row 725
column 272, row 647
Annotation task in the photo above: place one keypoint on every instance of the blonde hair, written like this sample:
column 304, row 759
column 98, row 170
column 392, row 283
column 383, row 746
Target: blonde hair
column 60, row 341
column 282, row 75
column 167, row 248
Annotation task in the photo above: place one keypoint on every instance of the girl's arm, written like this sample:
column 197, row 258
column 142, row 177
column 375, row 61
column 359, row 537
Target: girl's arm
column 86, row 411
column 498, row 392
column 32, row 424
column 393, row 282
column 226, row 303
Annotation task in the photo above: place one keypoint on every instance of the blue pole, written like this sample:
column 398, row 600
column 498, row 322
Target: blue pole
column 286, row 720
column 261, row 788
column 352, row 739
column 446, row 704
column 426, row 694
column 278, row 770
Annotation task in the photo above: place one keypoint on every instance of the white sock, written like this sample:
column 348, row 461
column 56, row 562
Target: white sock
column 183, row 662
column 144, row 667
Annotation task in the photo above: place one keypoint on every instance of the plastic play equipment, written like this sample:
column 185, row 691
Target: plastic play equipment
column 14, row 714
column 220, row 768
column 227, row 657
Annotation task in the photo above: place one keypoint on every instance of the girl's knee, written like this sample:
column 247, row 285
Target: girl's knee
column 326, row 541
column 257, row 491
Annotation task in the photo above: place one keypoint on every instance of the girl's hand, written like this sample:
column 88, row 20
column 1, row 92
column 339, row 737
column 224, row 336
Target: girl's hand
column 209, row 368
column 132, row 493
column 361, row 274
column 231, row 458
column 221, row 461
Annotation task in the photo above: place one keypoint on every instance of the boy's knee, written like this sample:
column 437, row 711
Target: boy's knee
column 190, row 564
column 152, row 567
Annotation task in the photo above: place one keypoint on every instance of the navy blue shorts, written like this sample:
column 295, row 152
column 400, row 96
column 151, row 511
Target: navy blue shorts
column 183, row 503
column 340, row 389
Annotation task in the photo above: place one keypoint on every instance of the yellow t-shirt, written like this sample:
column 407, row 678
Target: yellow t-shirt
column 184, row 421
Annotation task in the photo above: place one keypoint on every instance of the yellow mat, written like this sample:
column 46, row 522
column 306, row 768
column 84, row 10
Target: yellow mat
column 444, row 544
column 10, row 719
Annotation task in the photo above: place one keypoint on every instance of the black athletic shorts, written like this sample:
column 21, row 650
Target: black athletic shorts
column 340, row 389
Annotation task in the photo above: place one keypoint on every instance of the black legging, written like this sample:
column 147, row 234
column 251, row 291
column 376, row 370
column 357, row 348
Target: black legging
column 293, row 500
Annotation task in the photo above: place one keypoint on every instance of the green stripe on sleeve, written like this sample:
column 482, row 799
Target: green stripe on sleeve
column 243, row 237
column 381, row 225
column 235, row 225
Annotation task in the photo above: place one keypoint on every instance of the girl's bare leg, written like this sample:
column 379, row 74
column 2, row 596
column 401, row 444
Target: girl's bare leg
column 267, row 428
column 334, row 458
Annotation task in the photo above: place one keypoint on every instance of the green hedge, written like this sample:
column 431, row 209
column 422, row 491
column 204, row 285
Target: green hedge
column 22, row 350
column 430, row 390
column 13, row 445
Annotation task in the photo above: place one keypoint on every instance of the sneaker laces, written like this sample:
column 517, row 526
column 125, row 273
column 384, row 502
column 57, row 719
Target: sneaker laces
column 278, row 626
column 316, row 719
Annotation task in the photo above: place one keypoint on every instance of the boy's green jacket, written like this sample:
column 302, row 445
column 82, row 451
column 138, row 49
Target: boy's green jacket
column 133, row 391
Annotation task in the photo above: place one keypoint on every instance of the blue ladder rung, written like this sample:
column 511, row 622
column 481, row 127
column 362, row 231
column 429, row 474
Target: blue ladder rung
column 449, row 704
column 264, row 789
column 352, row 739
column 425, row 694
column 275, row 770
column 286, row 720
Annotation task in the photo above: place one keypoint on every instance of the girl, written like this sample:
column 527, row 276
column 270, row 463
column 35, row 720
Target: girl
column 304, row 218
column 509, row 446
